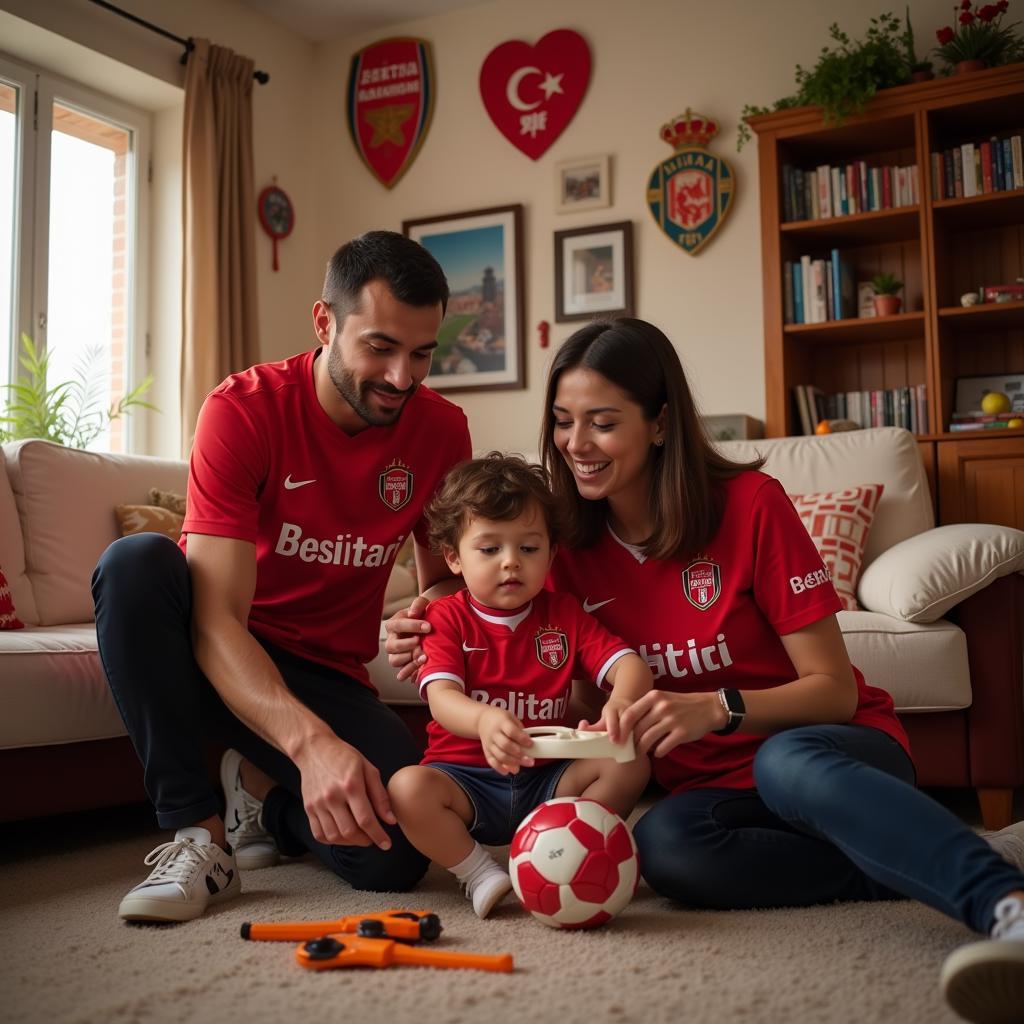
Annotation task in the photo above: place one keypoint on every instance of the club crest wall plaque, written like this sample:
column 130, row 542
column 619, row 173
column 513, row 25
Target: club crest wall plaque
column 532, row 92
column 692, row 192
column 390, row 104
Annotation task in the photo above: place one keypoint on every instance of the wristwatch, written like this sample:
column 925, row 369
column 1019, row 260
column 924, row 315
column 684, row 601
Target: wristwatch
column 732, row 702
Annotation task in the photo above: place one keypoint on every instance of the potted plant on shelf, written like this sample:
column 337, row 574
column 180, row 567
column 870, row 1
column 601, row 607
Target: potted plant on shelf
column 71, row 413
column 920, row 70
column 846, row 76
column 887, row 298
column 979, row 38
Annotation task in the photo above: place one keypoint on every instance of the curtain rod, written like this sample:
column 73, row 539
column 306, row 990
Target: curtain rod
column 261, row 76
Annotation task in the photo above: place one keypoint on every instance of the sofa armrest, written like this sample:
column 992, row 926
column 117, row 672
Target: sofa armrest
column 921, row 578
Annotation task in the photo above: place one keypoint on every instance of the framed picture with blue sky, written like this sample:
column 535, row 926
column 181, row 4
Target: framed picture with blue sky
column 481, row 344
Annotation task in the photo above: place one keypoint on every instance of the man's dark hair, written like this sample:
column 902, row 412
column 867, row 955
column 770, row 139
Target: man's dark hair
column 412, row 275
column 497, row 487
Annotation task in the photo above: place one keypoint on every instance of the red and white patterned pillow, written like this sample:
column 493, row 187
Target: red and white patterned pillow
column 8, row 620
column 838, row 524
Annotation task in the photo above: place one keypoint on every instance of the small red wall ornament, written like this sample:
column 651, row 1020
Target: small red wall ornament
column 543, row 329
column 532, row 92
column 276, row 213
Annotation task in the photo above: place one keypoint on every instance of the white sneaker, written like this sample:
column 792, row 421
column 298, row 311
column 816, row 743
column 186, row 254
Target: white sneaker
column 488, row 889
column 243, row 823
column 1009, row 844
column 984, row 982
column 188, row 874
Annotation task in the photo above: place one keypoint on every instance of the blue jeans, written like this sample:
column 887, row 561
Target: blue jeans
column 835, row 816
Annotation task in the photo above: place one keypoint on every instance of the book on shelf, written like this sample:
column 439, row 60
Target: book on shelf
column 819, row 290
column 879, row 407
column 844, row 189
column 977, row 168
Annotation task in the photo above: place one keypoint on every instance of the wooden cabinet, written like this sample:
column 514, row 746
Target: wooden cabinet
column 940, row 248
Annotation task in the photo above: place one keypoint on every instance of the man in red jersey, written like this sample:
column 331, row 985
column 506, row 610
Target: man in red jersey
column 305, row 477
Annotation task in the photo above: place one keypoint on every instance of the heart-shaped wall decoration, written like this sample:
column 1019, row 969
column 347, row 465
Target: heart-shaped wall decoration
column 532, row 92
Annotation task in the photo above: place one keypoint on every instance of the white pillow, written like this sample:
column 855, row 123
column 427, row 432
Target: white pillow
column 921, row 578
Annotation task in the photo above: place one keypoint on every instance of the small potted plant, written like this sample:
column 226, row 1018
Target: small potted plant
column 887, row 298
column 980, row 39
column 920, row 70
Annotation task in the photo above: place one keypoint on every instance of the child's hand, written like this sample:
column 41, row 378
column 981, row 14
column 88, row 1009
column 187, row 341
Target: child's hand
column 503, row 739
column 610, row 720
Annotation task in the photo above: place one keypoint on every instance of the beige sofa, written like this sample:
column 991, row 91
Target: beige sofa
column 943, row 635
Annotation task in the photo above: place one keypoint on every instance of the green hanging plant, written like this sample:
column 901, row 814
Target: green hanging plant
column 846, row 76
column 71, row 413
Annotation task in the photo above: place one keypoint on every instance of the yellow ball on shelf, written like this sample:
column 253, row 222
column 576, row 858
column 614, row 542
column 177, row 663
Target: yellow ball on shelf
column 995, row 402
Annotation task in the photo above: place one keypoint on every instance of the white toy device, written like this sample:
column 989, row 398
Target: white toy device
column 560, row 741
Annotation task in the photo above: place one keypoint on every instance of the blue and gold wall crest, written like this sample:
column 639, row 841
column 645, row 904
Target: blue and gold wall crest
column 690, row 194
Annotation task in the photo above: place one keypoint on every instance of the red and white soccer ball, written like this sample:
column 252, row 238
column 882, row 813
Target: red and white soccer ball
column 573, row 863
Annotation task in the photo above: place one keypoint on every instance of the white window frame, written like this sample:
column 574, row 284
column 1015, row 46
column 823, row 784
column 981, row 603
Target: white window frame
column 40, row 90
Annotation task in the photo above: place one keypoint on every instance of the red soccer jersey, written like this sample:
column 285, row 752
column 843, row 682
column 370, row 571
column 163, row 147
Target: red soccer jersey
column 326, row 511
column 524, row 662
column 715, row 620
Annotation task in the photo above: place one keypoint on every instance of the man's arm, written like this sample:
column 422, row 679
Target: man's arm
column 342, row 791
column 435, row 578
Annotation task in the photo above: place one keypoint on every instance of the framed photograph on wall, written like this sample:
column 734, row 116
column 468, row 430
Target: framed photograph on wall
column 594, row 271
column 481, row 344
column 583, row 184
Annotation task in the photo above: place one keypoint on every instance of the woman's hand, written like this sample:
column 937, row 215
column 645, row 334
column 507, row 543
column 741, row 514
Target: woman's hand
column 661, row 720
column 404, row 630
column 503, row 740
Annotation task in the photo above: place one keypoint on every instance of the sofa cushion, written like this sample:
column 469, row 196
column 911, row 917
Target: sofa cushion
column 839, row 523
column 52, row 688
column 885, row 455
column 65, row 499
column 923, row 577
column 8, row 617
column 12, row 553
column 922, row 666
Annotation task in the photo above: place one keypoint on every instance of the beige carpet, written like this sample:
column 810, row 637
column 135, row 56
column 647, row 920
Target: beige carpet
column 65, row 956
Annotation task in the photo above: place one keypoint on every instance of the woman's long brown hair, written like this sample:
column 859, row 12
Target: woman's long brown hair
column 686, row 471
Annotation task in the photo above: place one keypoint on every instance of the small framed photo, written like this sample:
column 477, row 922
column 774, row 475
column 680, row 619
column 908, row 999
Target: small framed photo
column 583, row 184
column 594, row 271
column 481, row 343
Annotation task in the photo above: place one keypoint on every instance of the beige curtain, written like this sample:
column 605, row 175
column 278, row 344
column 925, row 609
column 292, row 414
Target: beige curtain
column 219, row 269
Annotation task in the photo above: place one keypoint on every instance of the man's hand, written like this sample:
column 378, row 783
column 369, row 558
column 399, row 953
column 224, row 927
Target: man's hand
column 661, row 720
column 404, row 630
column 503, row 740
column 343, row 795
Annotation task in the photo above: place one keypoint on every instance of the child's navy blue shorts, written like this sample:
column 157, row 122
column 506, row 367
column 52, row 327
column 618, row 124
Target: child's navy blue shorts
column 500, row 802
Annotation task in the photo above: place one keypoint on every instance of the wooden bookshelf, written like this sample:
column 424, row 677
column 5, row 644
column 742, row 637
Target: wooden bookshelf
column 940, row 247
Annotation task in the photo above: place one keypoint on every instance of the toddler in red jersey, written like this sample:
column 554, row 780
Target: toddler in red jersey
column 501, row 656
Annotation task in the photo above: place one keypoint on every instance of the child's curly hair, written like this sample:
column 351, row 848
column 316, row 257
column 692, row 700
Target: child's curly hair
column 497, row 487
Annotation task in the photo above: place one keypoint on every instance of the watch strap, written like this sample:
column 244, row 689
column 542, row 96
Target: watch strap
column 732, row 702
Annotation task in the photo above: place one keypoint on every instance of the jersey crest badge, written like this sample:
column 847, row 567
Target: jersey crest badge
column 692, row 192
column 390, row 103
column 552, row 647
column 702, row 583
column 394, row 485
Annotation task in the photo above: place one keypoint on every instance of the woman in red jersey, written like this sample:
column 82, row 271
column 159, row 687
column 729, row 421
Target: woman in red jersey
column 789, row 778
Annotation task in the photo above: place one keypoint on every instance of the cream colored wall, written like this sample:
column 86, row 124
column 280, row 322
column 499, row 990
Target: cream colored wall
column 651, row 59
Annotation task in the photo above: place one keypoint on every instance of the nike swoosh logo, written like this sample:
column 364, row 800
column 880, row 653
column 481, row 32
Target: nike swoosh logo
column 589, row 607
column 468, row 649
column 290, row 484
column 238, row 823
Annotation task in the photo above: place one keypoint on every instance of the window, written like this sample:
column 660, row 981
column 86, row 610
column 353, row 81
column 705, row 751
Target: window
column 73, row 166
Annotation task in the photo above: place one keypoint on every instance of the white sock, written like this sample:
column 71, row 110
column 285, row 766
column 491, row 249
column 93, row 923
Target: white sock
column 472, row 868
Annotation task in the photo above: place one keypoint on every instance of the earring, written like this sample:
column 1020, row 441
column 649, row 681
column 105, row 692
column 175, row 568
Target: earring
column 659, row 441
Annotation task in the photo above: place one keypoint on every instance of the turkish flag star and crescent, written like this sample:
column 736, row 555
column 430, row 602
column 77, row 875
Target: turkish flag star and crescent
column 532, row 92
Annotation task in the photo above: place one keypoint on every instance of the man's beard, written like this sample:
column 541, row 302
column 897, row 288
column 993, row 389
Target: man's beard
column 345, row 382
